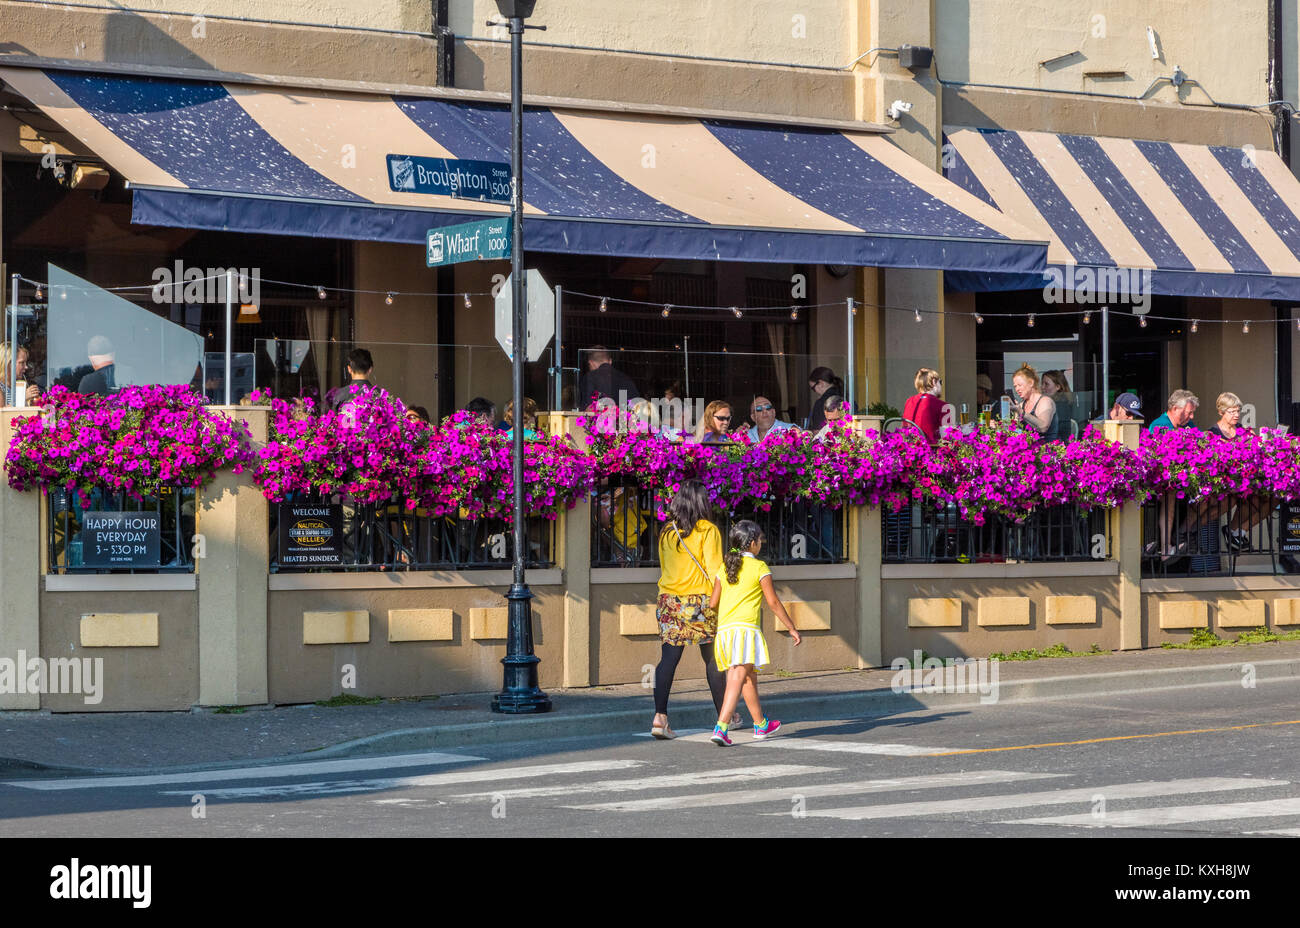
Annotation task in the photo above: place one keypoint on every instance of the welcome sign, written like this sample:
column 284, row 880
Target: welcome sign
column 310, row 536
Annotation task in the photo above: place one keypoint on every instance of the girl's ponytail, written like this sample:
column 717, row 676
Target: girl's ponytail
column 742, row 535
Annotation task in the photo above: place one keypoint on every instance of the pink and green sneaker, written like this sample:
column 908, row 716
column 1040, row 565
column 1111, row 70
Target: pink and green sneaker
column 769, row 728
column 720, row 737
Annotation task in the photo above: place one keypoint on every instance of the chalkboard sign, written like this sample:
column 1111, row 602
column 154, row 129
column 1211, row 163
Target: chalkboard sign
column 1291, row 527
column 310, row 535
column 120, row 539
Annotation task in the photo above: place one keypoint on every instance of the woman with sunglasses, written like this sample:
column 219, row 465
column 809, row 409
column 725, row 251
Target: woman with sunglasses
column 716, row 424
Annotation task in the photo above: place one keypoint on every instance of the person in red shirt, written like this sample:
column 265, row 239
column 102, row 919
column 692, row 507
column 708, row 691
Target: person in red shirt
column 925, row 408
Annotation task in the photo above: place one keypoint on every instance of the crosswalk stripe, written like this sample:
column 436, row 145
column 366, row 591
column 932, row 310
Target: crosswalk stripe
column 1171, row 815
column 328, row 787
column 1058, row 797
column 668, row 781
column 792, row 742
column 745, row 797
column 1289, row 832
column 265, row 772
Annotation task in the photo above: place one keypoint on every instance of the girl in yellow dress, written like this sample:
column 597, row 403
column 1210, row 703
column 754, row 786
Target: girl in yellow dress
column 739, row 590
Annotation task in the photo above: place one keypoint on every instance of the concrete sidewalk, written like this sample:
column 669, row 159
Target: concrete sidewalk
column 44, row 744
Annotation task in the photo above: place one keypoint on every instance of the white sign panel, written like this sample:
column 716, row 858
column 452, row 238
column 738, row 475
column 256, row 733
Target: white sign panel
column 540, row 299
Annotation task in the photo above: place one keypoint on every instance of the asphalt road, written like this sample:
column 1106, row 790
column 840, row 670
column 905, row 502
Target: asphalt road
column 1217, row 761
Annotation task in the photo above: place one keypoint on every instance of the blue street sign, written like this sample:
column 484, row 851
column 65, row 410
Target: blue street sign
column 470, row 241
column 450, row 177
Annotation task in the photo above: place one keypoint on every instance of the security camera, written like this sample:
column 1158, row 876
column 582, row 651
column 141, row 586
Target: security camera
column 898, row 108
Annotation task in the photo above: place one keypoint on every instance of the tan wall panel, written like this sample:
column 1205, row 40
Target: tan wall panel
column 901, row 639
column 638, row 619
column 940, row 612
column 351, row 626
column 1185, row 614
column 1286, row 611
column 1002, row 610
column 163, row 677
column 421, row 624
column 304, row 673
column 1241, row 613
column 119, row 630
column 806, row 616
column 1071, row 610
column 489, row 624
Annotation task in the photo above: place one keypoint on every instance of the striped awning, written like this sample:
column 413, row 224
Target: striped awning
column 210, row 155
column 1203, row 220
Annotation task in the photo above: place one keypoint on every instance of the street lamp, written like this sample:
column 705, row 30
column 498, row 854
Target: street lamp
column 520, row 693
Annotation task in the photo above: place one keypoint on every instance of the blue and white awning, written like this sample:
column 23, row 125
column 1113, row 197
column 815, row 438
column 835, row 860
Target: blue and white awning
column 211, row 155
column 1194, row 220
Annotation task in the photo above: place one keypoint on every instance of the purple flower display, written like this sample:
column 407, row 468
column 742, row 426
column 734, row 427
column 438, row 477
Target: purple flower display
column 136, row 441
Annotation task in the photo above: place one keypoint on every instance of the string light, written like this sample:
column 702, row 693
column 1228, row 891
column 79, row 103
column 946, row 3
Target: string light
column 38, row 293
column 469, row 304
column 604, row 304
column 668, row 307
column 1195, row 326
column 1297, row 323
column 1142, row 322
column 1031, row 320
column 1087, row 317
column 918, row 315
column 794, row 313
column 320, row 292
column 389, row 299
column 735, row 311
column 979, row 320
column 1245, row 327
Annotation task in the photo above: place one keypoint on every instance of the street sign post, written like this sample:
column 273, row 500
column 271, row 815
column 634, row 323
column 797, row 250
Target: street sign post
column 462, row 178
column 470, row 241
column 540, row 301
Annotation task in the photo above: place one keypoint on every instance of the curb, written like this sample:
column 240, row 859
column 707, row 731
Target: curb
column 864, row 704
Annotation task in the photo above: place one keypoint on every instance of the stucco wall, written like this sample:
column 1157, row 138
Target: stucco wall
column 1221, row 43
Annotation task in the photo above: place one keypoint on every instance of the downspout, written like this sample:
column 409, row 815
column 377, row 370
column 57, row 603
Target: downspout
column 1283, row 356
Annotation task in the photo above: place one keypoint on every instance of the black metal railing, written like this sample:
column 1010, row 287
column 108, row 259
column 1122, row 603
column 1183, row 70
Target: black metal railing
column 1209, row 538
column 161, row 541
column 389, row 537
column 937, row 534
column 625, row 530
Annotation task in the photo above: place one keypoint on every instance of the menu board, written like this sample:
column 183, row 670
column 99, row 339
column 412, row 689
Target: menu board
column 310, row 535
column 120, row 539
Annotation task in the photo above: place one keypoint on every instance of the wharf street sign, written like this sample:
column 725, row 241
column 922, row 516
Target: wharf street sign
column 470, row 241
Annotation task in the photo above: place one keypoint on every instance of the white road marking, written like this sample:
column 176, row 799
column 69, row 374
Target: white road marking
column 324, row 788
column 1172, row 815
column 743, row 738
column 1059, row 797
column 1289, row 832
column 669, row 781
column 744, row 797
column 266, row 772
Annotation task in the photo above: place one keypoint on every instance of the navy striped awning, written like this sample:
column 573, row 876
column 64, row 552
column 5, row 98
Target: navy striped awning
column 1203, row 220
column 211, row 155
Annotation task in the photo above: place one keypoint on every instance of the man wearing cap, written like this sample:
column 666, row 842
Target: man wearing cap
column 1127, row 406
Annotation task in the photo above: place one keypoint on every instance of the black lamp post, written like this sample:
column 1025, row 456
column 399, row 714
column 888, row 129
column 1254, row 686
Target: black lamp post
column 520, row 693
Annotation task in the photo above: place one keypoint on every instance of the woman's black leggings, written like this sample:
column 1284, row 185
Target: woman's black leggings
column 670, row 655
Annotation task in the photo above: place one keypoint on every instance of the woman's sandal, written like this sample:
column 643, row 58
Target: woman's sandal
column 663, row 732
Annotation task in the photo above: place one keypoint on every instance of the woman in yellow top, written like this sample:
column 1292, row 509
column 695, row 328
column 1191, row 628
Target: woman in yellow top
column 739, row 590
column 690, row 553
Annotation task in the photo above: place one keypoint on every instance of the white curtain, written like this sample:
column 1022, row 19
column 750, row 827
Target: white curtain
column 776, row 343
column 318, row 330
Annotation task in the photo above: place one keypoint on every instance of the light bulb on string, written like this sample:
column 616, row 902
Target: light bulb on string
column 1031, row 320
column 1195, row 325
column 668, row 308
column 979, row 320
column 320, row 293
column 736, row 311
column 794, row 313
column 389, row 299
column 1087, row 317
column 1142, row 322
column 604, row 304
column 469, row 304
column 38, row 293
column 1297, row 323
column 918, row 315
column 1245, row 327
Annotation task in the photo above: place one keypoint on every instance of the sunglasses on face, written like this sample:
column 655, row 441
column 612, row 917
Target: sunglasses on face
column 767, row 408
column 723, row 418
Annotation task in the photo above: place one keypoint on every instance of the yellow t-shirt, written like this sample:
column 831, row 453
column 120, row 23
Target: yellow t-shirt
column 678, row 574
column 742, row 602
